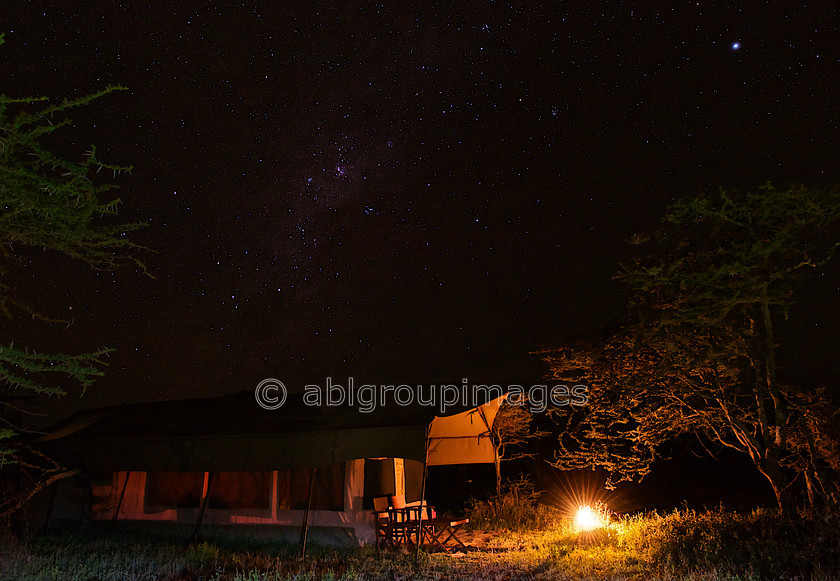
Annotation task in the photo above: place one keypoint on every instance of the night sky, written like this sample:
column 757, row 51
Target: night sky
column 394, row 192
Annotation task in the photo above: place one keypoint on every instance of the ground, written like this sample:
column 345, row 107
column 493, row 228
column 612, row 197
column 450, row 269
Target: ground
column 680, row 545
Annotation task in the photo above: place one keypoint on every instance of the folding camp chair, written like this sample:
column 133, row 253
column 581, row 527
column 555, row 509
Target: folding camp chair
column 404, row 521
column 383, row 521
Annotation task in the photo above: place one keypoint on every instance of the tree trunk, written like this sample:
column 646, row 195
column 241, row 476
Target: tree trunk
column 498, row 462
column 780, row 412
column 776, row 434
column 773, row 472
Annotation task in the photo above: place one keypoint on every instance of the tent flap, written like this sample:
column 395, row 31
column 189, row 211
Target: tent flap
column 464, row 438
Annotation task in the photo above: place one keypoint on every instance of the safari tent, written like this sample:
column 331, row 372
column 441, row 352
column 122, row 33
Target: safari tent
column 226, row 467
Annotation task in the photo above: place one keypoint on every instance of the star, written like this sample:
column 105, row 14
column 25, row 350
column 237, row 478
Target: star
column 736, row 45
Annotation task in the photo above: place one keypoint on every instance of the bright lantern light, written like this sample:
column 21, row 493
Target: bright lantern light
column 586, row 519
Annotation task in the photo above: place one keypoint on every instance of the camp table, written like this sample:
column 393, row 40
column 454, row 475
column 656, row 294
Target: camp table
column 434, row 530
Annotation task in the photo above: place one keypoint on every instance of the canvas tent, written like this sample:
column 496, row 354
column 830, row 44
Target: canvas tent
column 220, row 462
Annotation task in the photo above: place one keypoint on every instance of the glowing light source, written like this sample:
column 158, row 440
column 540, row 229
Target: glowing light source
column 587, row 519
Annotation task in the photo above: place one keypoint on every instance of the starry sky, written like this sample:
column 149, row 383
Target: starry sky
column 400, row 191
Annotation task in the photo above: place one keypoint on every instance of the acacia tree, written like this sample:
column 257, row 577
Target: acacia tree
column 61, row 206
column 511, row 429
column 701, row 356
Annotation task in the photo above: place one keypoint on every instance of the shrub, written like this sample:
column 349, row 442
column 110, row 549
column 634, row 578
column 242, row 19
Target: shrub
column 517, row 508
column 760, row 544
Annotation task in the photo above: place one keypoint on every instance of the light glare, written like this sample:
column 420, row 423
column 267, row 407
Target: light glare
column 586, row 519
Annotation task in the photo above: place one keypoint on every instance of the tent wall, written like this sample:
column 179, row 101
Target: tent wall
column 134, row 510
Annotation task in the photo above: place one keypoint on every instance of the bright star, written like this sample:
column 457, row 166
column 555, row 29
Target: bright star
column 736, row 45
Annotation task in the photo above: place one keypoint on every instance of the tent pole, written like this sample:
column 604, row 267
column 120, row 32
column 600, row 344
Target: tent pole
column 119, row 503
column 305, row 528
column 203, row 507
column 423, row 495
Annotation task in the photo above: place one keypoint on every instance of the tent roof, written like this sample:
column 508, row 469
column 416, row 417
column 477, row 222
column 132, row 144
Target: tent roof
column 233, row 433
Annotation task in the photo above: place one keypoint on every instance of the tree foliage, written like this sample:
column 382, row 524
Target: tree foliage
column 64, row 207
column 58, row 205
column 700, row 356
column 52, row 202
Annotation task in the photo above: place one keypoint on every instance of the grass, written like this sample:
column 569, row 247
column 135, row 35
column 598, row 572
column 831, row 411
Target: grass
column 681, row 545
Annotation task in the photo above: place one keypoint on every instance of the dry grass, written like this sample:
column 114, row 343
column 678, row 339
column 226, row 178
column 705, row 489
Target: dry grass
column 681, row 545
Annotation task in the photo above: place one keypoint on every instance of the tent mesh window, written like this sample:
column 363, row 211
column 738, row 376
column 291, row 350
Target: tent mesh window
column 240, row 490
column 174, row 489
column 327, row 492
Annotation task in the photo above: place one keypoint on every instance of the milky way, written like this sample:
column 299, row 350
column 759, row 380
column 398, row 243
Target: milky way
column 406, row 191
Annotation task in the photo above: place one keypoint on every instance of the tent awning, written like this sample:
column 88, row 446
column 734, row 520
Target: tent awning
column 464, row 438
